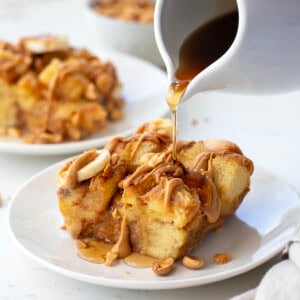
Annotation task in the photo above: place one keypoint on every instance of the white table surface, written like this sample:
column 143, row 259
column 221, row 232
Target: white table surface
column 266, row 128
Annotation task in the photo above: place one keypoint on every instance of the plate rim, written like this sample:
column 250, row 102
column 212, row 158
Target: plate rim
column 15, row 146
column 142, row 284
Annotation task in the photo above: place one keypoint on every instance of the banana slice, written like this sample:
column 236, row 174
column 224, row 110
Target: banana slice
column 95, row 166
column 44, row 44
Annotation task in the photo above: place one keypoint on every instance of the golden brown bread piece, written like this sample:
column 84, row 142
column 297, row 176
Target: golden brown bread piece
column 90, row 203
column 84, row 207
column 230, row 173
column 168, row 206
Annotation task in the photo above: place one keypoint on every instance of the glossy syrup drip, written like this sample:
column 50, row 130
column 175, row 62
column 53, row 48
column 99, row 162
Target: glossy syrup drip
column 94, row 251
column 174, row 94
column 137, row 260
column 200, row 49
column 97, row 251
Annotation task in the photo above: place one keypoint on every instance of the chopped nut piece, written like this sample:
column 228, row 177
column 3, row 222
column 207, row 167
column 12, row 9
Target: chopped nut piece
column 222, row 258
column 162, row 266
column 81, row 244
column 193, row 262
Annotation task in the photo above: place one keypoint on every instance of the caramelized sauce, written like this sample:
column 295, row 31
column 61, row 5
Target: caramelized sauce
column 137, row 260
column 200, row 49
column 95, row 251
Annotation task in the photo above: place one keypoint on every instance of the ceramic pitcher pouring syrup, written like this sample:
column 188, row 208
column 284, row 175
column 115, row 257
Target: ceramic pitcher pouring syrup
column 259, row 54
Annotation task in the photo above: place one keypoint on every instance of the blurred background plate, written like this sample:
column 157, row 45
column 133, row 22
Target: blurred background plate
column 78, row 21
column 144, row 88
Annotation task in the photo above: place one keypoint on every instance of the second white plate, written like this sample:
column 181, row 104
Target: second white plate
column 259, row 230
column 144, row 88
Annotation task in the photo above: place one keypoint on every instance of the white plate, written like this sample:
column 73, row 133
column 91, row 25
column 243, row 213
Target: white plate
column 260, row 229
column 144, row 88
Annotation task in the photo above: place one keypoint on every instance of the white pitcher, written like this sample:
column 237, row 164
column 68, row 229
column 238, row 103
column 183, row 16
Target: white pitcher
column 264, row 57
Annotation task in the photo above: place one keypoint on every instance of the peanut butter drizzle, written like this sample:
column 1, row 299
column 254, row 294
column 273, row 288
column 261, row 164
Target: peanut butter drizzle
column 112, row 144
column 203, row 164
column 146, row 171
column 181, row 145
column 94, row 251
column 138, row 260
column 136, row 176
column 213, row 208
column 170, row 188
column 140, row 172
column 76, row 165
column 122, row 247
column 167, row 169
column 141, row 137
column 153, row 136
column 137, row 145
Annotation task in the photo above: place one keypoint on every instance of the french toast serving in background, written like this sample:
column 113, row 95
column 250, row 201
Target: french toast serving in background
column 51, row 92
column 133, row 195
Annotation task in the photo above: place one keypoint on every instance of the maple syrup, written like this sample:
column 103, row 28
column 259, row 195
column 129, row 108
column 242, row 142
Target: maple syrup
column 199, row 50
column 97, row 251
column 138, row 260
column 94, row 251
